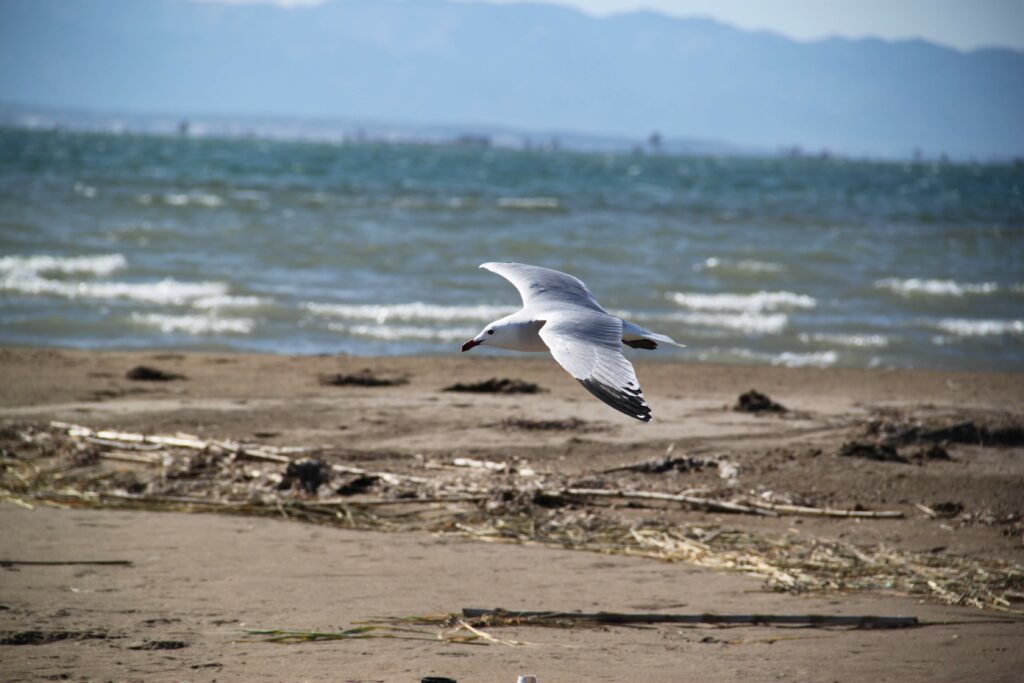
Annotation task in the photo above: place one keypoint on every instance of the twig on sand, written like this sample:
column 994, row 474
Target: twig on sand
column 824, row 512
column 57, row 563
column 702, row 503
column 499, row 617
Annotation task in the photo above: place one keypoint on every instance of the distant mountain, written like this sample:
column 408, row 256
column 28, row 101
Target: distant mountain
column 527, row 65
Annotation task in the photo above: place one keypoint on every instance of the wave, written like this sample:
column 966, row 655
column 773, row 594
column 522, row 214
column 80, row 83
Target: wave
column 748, row 303
column 24, row 274
column 751, row 323
column 815, row 359
column 102, row 264
column 963, row 327
column 195, row 324
column 530, row 203
column 218, row 301
column 916, row 286
column 789, row 359
column 405, row 332
column 851, row 340
column 204, row 199
column 166, row 291
column 381, row 313
column 742, row 265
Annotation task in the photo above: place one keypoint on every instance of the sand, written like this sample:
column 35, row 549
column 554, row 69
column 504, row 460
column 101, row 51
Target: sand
column 201, row 580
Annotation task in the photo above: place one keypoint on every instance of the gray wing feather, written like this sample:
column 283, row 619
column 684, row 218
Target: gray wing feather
column 540, row 286
column 588, row 345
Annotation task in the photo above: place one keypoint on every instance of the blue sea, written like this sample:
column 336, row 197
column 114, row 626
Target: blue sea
column 163, row 241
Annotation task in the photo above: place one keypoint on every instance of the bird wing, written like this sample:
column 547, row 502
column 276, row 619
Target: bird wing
column 539, row 286
column 588, row 344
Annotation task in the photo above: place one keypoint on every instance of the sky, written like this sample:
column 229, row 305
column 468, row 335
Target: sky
column 963, row 24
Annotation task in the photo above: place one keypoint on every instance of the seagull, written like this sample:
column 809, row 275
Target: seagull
column 560, row 315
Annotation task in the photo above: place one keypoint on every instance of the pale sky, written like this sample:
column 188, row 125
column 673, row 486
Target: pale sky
column 965, row 24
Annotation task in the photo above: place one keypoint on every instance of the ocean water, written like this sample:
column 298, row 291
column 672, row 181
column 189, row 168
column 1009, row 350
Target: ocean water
column 132, row 241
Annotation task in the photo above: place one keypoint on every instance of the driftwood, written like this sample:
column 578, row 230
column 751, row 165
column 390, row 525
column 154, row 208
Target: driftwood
column 702, row 503
column 723, row 619
column 825, row 512
column 260, row 452
column 60, row 563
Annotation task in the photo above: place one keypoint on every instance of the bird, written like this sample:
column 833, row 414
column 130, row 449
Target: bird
column 560, row 315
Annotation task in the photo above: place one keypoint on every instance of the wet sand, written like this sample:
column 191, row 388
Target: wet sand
column 200, row 580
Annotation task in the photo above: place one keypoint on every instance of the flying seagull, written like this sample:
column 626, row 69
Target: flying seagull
column 560, row 315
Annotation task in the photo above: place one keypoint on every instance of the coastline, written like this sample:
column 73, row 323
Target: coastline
column 195, row 570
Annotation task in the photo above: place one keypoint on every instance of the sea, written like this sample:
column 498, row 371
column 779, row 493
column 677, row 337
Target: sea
column 231, row 243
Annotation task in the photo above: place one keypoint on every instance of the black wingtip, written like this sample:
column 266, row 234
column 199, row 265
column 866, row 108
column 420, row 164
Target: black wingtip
column 645, row 344
column 626, row 401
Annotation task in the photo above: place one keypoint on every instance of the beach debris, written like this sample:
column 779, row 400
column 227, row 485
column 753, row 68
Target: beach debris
column 40, row 637
column 897, row 429
column 667, row 463
column 364, row 378
column 159, row 645
column 932, row 452
column 527, row 678
column 871, row 451
column 497, row 386
column 570, row 424
column 61, row 563
column 358, row 484
column 498, row 506
column 755, row 402
column 309, row 475
column 146, row 373
column 708, row 504
column 501, row 617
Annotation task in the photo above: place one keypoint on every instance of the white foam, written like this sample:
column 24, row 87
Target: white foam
column 382, row 313
column 790, row 359
column 963, row 327
column 403, row 332
column 227, row 301
column 749, row 303
column 195, row 324
column 751, row 323
column 192, row 198
column 529, row 203
column 745, row 265
column 102, row 264
column 852, row 340
column 916, row 286
column 166, row 291
column 816, row 359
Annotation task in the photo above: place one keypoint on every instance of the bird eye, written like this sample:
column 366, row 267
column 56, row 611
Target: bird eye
column 490, row 331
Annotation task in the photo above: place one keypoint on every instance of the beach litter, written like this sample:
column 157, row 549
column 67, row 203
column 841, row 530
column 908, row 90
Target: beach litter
column 69, row 465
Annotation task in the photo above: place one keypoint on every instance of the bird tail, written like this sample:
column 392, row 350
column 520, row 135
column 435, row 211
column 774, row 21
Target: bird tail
column 638, row 337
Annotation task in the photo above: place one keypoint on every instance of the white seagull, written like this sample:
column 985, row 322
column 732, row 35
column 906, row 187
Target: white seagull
column 560, row 315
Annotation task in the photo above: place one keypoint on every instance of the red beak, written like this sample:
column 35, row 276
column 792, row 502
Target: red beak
column 470, row 344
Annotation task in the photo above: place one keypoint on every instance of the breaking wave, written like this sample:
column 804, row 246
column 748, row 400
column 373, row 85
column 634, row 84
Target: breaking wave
column 916, row 286
column 195, row 324
column 748, row 303
column 382, row 313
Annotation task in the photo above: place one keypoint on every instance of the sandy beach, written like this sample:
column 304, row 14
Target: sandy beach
column 942, row 449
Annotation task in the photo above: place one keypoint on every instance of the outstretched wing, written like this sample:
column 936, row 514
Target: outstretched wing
column 545, row 286
column 588, row 344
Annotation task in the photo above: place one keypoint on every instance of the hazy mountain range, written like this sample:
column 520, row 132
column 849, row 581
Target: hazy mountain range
column 533, row 66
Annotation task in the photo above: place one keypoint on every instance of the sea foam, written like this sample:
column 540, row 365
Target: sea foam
column 382, row 313
column 917, row 286
column 194, row 324
column 25, row 275
column 963, row 327
column 748, row 303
